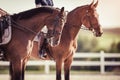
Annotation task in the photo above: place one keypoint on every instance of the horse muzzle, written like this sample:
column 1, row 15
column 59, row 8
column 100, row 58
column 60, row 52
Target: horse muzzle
column 53, row 41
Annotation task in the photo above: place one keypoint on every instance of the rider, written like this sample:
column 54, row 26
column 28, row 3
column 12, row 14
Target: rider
column 43, row 41
column 40, row 3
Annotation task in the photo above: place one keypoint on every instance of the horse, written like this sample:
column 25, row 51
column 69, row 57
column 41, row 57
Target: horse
column 25, row 26
column 63, row 53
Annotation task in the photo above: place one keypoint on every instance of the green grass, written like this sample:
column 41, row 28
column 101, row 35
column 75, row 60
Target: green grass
column 87, row 40
column 107, row 39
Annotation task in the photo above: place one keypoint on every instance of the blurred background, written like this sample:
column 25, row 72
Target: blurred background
column 109, row 16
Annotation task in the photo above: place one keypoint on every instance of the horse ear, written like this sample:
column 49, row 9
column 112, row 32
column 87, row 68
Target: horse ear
column 95, row 5
column 62, row 10
column 92, row 4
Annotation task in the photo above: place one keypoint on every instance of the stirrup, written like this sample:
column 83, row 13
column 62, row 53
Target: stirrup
column 43, row 55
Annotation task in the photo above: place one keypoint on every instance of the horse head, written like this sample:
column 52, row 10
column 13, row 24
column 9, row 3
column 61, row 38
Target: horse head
column 90, row 19
column 55, row 26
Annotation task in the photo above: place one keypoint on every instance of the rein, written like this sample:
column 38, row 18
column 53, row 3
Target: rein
column 81, row 27
column 23, row 28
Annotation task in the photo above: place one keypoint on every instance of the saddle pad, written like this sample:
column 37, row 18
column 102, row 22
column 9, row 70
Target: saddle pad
column 7, row 36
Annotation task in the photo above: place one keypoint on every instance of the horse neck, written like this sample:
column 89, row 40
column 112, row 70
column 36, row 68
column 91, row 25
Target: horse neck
column 34, row 24
column 73, row 24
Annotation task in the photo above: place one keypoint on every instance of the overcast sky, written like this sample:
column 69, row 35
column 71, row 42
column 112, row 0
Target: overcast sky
column 108, row 10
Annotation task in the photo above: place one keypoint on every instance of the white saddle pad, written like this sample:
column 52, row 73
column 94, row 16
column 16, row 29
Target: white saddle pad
column 7, row 36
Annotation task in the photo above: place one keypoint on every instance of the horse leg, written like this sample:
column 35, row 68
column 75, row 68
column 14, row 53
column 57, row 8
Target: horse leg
column 67, row 67
column 58, row 69
column 23, row 68
column 16, row 70
column 11, row 71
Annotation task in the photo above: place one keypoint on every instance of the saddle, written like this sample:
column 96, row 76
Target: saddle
column 5, row 27
column 5, row 31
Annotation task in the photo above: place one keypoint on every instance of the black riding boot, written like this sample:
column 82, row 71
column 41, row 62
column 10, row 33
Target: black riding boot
column 42, row 45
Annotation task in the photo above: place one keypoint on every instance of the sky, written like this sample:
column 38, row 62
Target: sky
column 108, row 10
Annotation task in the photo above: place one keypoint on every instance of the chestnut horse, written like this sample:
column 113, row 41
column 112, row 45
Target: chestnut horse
column 25, row 26
column 63, row 53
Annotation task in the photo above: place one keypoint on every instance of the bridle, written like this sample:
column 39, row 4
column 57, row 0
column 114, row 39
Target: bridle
column 56, row 22
column 88, row 17
column 82, row 26
column 91, row 28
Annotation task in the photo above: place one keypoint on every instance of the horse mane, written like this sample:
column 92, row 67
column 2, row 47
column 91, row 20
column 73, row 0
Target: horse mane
column 30, row 13
column 83, row 6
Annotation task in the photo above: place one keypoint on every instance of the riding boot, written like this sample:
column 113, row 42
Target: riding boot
column 43, row 53
column 42, row 45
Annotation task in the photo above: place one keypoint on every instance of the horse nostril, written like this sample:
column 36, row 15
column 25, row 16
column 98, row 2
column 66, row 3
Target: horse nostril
column 100, row 33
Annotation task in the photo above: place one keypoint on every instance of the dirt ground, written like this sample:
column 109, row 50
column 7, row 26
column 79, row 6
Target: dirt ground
column 73, row 77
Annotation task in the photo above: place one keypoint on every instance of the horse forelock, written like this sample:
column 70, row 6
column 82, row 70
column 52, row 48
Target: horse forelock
column 32, row 12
